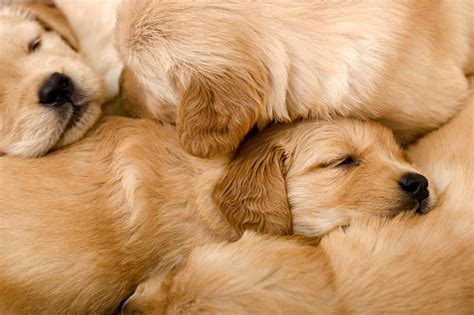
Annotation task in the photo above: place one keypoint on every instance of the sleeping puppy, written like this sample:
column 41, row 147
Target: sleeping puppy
column 403, row 266
column 407, row 265
column 219, row 68
column 49, row 97
column 81, row 227
column 310, row 177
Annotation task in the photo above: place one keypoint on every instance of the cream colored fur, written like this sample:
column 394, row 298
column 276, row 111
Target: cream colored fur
column 93, row 21
column 82, row 227
column 408, row 265
column 218, row 68
column 26, row 127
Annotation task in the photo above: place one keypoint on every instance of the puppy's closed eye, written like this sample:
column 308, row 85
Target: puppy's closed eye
column 345, row 161
column 34, row 45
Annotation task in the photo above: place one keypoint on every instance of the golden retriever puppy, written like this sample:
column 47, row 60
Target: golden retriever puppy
column 408, row 265
column 311, row 177
column 255, row 275
column 81, row 227
column 217, row 68
column 49, row 97
column 403, row 266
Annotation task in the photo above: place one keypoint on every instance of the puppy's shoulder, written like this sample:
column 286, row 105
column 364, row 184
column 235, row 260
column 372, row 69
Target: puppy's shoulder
column 115, row 127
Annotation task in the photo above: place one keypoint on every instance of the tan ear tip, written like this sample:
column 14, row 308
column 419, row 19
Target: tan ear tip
column 205, row 146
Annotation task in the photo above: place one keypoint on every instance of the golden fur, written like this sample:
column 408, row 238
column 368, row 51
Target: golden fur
column 294, row 177
column 219, row 68
column 26, row 127
column 408, row 265
column 81, row 227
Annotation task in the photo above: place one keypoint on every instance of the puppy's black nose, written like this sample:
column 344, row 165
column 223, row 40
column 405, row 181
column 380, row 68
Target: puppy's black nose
column 56, row 90
column 415, row 185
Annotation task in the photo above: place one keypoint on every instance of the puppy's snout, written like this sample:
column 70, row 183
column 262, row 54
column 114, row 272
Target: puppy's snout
column 56, row 90
column 415, row 185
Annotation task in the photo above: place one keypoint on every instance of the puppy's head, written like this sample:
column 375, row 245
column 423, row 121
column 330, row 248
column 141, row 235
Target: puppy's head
column 311, row 177
column 49, row 97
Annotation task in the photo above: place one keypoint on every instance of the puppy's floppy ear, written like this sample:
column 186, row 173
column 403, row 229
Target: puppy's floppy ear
column 46, row 12
column 252, row 194
column 218, row 109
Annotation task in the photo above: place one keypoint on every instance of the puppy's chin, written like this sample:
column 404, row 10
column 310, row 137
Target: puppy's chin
column 33, row 143
column 54, row 131
column 79, row 121
column 425, row 206
column 414, row 206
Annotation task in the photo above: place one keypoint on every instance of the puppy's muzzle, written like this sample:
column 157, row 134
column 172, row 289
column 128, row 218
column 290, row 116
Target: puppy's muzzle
column 416, row 187
column 56, row 90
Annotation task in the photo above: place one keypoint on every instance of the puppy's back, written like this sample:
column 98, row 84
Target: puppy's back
column 255, row 275
column 404, row 266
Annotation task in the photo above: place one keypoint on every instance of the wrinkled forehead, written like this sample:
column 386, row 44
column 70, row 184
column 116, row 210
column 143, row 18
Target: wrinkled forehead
column 16, row 32
column 370, row 136
column 345, row 135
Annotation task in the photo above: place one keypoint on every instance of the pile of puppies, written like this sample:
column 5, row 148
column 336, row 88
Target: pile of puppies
column 262, row 171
